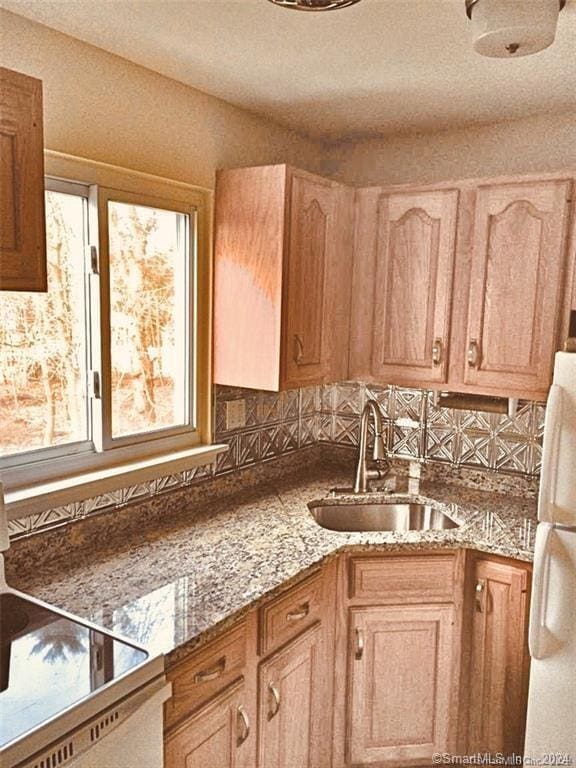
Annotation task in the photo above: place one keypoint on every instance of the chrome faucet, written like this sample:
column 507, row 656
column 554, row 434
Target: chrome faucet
column 379, row 465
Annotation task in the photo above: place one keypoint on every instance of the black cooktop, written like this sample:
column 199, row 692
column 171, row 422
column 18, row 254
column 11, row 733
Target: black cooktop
column 49, row 662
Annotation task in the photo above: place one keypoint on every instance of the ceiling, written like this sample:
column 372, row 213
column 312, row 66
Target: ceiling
column 379, row 67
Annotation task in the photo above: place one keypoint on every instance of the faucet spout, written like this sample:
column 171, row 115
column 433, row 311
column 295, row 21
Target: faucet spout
column 379, row 467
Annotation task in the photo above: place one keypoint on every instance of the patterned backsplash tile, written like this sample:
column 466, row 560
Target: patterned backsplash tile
column 416, row 428
column 278, row 424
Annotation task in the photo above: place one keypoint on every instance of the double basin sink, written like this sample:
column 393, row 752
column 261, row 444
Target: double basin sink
column 386, row 516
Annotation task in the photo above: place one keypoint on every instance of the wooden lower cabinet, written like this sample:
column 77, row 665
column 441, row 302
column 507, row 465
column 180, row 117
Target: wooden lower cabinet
column 496, row 683
column 295, row 705
column 375, row 660
column 217, row 736
column 400, row 682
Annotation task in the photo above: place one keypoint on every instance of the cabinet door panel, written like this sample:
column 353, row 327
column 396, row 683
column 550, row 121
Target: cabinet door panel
column 498, row 671
column 22, row 222
column 217, row 736
column 516, row 283
column 311, row 234
column 295, row 708
column 400, row 679
column 414, row 264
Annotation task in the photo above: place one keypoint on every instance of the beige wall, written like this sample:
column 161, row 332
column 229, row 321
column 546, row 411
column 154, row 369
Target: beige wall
column 546, row 143
column 103, row 107
column 100, row 106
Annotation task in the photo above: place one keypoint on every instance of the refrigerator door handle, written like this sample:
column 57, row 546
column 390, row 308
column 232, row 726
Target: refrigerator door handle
column 537, row 627
column 552, row 433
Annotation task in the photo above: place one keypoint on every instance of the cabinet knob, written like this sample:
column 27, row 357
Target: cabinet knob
column 242, row 724
column 473, row 353
column 359, row 644
column 480, row 592
column 437, row 350
column 298, row 349
column 274, row 700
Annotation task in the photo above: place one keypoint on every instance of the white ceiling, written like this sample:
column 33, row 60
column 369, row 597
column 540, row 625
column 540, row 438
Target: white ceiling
column 379, row 67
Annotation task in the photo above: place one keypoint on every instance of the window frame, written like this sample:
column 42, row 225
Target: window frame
column 21, row 472
column 99, row 199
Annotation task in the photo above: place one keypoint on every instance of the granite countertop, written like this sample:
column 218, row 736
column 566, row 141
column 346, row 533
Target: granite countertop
column 171, row 583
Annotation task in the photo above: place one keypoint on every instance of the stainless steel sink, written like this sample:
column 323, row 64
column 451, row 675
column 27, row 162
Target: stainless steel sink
column 380, row 517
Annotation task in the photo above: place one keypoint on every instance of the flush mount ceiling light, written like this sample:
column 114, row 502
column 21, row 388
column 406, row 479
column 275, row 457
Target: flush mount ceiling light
column 314, row 5
column 513, row 28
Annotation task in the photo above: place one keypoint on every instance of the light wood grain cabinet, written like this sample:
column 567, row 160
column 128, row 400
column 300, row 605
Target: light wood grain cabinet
column 398, row 634
column 495, row 682
column 516, row 286
column 376, row 659
column 464, row 287
column 22, row 222
column 283, row 265
column 414, row 240
column 400, row 683
column 295, row 703
column 217, row 736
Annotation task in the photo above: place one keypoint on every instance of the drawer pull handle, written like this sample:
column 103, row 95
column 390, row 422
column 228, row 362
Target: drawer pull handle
column 298, row 613
column 243, row 725
column 437, row 352
column 480, row 591
column 274, row 700
column 298, row 349
column 473, row 354
column 206, row 675
column 359, row 644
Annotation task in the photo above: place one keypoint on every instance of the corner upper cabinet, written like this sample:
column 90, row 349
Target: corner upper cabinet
column 22, row 221
column 414, row 245
column 516, row 286
column 283, row 267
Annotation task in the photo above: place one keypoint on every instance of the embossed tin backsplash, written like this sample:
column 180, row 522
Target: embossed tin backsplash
column 416, row 428
column 282, row 423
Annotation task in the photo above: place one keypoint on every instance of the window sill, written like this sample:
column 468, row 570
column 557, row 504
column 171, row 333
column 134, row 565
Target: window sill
column 42, row 496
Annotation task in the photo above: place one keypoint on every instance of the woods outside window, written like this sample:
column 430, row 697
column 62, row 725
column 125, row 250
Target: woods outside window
column 111, row 364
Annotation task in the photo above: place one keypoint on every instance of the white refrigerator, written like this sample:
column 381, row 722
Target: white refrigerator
column 551, row 721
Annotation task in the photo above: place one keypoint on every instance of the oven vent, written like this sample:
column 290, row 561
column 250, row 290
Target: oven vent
column 57, row 757
column 102, row 726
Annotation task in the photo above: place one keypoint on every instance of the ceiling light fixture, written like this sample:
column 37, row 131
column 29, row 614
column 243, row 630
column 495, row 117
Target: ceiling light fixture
column 314, row 5
column 513, row 28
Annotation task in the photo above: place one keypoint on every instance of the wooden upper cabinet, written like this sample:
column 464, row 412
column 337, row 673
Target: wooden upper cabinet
column 516, row 289
column 22, row 221
column 415, row 242
column 496, row 682
column 312, row 223
column 283, row 266
column 401, row 667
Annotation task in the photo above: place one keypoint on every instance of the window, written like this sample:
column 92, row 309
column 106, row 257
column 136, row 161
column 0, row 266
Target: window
column 106, row 367
column 149, row 333
column 44, row 342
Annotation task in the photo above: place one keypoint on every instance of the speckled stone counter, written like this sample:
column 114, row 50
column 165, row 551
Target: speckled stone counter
column 170, row 581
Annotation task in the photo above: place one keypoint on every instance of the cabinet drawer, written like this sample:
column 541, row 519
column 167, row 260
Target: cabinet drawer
column 205, row 673
column 402, row 579
column 289, row 614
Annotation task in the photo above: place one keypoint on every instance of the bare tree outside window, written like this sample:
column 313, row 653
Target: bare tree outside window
column 148, row 297
column 45, row 337
column 43, row 342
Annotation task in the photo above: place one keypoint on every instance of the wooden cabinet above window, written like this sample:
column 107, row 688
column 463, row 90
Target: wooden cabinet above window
column 283, row 267
column 22, row 221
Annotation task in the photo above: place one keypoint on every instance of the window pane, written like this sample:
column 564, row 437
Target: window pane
column 43, row 342
column 149, row 314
